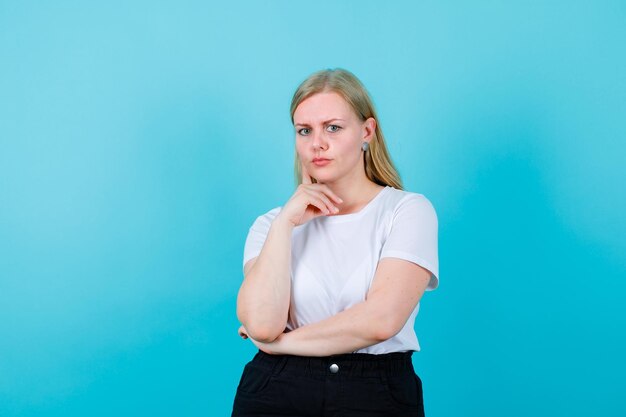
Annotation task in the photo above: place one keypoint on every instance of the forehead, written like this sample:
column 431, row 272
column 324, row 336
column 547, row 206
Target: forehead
column 321, row 107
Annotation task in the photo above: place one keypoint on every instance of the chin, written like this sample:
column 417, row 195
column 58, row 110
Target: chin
column 324, row 179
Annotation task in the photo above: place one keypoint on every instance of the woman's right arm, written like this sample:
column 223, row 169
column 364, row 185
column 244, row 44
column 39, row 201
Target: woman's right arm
column 264, row 296
column 263, row 299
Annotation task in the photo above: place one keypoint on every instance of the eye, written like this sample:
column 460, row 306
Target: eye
column 301, row 131
column 334, row 128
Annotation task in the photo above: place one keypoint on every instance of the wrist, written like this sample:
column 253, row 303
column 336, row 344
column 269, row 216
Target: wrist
column 282, row 222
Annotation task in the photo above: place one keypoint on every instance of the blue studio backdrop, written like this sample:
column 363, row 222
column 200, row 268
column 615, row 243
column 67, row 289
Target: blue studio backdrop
column 139, row 141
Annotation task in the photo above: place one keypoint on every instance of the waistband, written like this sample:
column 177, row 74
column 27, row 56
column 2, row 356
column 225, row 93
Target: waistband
column 353, row 364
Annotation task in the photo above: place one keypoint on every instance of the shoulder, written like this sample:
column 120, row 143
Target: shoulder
column 402, row 201
column 265, row 219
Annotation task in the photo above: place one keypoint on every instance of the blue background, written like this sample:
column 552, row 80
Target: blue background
column 139, row 140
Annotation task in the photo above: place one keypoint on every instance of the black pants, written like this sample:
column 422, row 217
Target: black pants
column 356, row 384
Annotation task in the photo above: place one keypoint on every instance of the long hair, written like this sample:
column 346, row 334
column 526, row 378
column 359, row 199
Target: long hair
column 378, row 165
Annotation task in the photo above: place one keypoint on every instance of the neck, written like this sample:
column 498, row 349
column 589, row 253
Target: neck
column 355, row 194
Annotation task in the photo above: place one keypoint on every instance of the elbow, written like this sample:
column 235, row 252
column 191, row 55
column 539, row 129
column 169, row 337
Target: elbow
column 262, row 324
column 262, row 334
column 386, row 328
column 261, row 331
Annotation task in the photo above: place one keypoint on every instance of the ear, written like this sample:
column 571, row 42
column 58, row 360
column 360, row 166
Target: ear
column 369, row 127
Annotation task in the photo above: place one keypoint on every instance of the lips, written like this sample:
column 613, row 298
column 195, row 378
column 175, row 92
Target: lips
column 321, row 162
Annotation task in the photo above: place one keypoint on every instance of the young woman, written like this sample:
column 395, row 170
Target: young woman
column 333, row 278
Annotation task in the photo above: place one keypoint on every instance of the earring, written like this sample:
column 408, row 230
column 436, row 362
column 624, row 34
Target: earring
column 365, row 146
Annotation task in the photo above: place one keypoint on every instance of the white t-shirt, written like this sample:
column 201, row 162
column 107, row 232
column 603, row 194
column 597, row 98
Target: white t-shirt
column 334, row 258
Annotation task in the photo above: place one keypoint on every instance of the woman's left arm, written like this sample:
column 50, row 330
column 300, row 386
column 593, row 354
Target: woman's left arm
column 396, row 289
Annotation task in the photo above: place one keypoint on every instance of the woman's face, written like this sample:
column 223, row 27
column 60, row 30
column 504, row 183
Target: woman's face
column 327, row 127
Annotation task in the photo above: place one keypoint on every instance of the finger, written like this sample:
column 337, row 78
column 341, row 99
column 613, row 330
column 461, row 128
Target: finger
column 306, row 178
column 320, row 196
column 330, row 192
column 316, row 201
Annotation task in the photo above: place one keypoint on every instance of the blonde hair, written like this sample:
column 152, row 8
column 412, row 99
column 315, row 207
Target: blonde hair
column 378, row 165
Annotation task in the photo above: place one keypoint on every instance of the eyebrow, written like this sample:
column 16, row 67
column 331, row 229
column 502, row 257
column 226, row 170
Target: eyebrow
column 327, row 121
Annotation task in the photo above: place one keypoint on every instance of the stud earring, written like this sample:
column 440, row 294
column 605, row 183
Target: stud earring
column 365, row 146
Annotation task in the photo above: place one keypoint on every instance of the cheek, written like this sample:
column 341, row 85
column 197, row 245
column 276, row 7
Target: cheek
column 299, row 147
column 348, row 149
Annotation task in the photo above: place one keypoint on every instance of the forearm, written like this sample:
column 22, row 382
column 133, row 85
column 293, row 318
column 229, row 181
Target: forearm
column 355, row 328
column 263, row 299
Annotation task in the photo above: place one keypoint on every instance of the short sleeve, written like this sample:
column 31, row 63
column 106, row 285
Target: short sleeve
column 257, row 235
column 413, row 235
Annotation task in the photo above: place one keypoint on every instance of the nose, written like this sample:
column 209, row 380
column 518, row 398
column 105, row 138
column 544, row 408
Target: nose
column 319, row 140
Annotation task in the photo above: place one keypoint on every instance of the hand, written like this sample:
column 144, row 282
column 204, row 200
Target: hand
column 309, row 201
